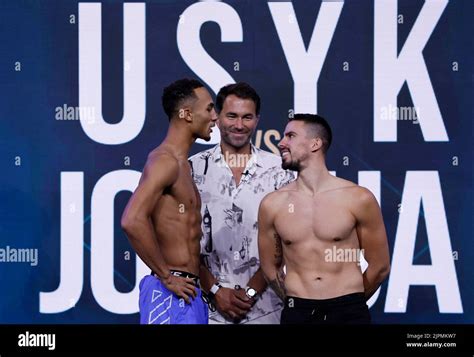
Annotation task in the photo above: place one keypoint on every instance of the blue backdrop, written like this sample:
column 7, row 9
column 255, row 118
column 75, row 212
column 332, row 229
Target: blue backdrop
column 79, row 115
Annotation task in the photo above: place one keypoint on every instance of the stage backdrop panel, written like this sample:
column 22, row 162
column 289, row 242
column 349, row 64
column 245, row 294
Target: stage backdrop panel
column 81, row 86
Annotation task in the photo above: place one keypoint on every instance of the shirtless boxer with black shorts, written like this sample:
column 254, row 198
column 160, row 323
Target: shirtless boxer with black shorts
column 317, row 227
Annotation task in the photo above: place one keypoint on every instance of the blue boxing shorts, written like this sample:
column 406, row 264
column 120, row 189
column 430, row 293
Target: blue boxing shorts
column 160, row 306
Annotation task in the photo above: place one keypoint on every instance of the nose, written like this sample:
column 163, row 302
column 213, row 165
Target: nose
column 281, row 145
column 239, row 124
column 213, row 115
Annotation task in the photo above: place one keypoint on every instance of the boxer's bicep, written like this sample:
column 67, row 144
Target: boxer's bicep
column 270, row 248
column 371, row 230
column 269, row 243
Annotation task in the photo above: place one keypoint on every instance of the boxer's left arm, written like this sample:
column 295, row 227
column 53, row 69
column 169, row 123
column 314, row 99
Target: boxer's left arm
column 270, row 248
column 372, row 239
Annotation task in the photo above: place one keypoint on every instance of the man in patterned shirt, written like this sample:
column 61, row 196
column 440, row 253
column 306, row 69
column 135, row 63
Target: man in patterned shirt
column 232, row 178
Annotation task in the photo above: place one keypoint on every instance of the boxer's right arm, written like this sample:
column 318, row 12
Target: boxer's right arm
column 270, row 248
column 160, row 172
column 207, row 279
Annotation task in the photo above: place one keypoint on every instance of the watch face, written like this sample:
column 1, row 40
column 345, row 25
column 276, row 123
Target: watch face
column 251, row 292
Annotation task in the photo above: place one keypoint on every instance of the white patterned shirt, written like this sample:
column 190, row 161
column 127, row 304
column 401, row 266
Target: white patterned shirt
column 229, row 221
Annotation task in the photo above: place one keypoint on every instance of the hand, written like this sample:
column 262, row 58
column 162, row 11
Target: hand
column 241, row 295
column 230, row 304
column 182, row 287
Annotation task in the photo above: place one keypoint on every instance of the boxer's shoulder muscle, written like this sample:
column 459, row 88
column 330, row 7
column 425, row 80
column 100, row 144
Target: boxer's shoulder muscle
column 163, row 160
column 273, row 201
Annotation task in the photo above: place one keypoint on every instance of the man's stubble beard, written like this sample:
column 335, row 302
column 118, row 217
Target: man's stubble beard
column 292, row 166
column 226, row 139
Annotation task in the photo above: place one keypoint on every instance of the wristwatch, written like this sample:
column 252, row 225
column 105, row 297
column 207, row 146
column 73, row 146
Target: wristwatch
column 214, row 288
column 251, row 292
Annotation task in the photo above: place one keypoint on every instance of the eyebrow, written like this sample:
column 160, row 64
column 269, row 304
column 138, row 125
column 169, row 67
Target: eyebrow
column 244, row 115
column 290, row 132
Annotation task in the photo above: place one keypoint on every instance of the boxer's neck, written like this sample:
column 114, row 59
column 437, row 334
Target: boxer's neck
column 180, row 140
column 313, row 176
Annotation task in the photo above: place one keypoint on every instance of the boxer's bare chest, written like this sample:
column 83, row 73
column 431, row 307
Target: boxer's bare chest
column 325, row 217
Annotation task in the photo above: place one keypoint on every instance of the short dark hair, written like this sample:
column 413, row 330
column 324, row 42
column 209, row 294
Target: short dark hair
column 319, row 125
column 241, row 90
column 177, row 92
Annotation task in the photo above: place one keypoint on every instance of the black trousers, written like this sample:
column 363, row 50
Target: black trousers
column 346, row 309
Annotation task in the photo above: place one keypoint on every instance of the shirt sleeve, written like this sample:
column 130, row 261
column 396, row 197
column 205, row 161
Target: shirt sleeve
column 285, row 177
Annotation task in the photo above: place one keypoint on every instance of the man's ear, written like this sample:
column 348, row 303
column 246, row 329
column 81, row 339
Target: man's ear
column 186, row 114
column 316, row 144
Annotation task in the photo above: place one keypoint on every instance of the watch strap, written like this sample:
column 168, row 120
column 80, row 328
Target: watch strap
column 214, row 288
